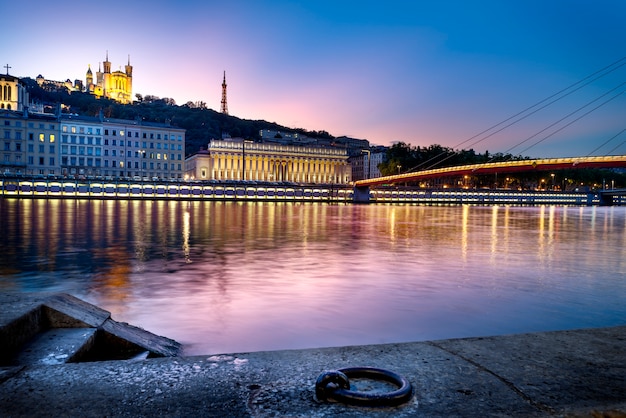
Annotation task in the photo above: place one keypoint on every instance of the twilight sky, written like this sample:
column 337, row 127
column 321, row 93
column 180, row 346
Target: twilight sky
column 418, row 71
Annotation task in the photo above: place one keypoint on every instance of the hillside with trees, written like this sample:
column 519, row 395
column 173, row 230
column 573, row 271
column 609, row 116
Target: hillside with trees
column 201, row 123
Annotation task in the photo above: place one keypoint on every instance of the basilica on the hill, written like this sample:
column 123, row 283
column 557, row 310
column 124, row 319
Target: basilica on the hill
column 116, row 85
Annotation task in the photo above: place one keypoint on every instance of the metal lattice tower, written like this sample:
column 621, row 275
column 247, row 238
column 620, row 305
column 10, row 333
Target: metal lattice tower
column 224, row 108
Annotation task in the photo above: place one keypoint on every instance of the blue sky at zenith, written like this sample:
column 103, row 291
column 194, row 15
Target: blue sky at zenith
column 422, row 72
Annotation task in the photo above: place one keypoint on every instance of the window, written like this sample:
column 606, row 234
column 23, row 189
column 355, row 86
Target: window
column 31, row 148
column 52, row 138
column 7, row 134
column 7, row 146
column 18, row 147
column 64, row 129
column 73, row 130
column 51, row 161
column 40, row 160
column 51, row 149
column 41, row 149
column 31, row 136
column 18, row 135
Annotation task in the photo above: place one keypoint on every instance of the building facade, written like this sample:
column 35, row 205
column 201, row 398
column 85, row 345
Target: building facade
column 83, row 147
column 114, row 85
column 240, row 160
column 365, row 166
column 135, row 148
column 13, row 94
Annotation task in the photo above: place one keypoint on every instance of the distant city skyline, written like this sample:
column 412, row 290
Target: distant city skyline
column 419, row 72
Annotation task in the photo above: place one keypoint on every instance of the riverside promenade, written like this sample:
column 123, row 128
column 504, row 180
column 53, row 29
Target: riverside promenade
column 580, row 373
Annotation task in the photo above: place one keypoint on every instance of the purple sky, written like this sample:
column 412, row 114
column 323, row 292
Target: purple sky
column 422, row 72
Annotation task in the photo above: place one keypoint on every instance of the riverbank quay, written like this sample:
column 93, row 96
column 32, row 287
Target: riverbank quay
column 578, row 373
column 253, row 191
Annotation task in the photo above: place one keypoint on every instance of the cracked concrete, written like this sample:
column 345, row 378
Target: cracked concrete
column 579, row 373
column 568, row 373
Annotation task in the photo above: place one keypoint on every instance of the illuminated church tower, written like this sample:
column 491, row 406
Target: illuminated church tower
column 116, row 85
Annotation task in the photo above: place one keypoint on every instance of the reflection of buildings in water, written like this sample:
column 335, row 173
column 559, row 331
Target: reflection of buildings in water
column 112, row 283
column 237, row 159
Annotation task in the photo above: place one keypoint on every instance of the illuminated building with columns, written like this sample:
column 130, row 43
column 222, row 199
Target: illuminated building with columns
column 239, row 160
column 115, row 85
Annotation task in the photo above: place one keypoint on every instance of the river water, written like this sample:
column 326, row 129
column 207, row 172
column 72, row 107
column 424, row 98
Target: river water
column 226, row 277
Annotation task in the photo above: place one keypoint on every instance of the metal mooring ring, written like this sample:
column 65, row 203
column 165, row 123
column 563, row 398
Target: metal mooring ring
column 334, row 385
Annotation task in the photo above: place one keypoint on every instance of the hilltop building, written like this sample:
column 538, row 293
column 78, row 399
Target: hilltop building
column 114, row 85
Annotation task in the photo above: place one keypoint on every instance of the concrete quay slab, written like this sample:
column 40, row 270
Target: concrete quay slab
column 579, row 373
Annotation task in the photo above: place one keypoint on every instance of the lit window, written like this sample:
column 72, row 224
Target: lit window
column 51, row 137
column 41, row 137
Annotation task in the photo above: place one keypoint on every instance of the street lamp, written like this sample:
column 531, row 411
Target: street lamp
column 552, row 175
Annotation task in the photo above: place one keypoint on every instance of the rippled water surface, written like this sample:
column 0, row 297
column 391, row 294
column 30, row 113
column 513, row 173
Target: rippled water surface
column 224, row 277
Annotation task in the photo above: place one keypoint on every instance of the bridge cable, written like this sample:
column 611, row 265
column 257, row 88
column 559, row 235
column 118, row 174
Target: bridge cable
column 618, row 145
column 578, row 118
column 563, row 118
column 607, row 141
column 608, row 67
